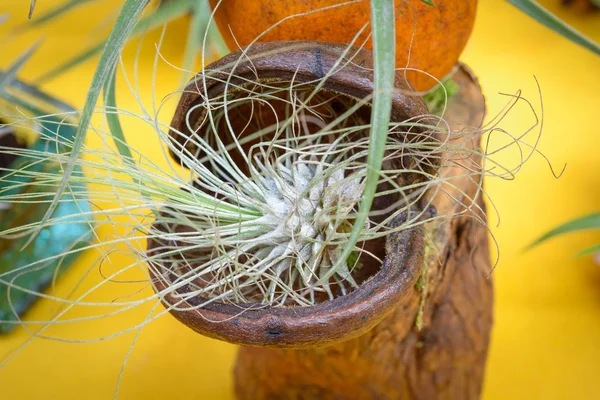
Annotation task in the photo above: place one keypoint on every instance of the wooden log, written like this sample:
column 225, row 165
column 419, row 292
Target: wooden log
column 434, row 344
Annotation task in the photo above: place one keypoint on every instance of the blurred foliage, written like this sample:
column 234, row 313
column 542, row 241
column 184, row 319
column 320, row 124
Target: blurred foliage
column 545, row 17
column 53, row 123
column 588, row 222
column 437, row 99
column 156, row 15
column 48, row 255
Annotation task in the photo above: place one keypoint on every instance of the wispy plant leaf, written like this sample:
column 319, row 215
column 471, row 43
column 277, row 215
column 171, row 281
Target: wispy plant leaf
column 30, row 98
column 195, row 34
column 31, row 8
column 60, row 240
column 116, row 40
column 3, row 18
column 11, row 73
column 110, row 101
column 384, row 60
column 545, row 17
column 584, row 223
column 73, row 62
column 157, row 19
column 589, row 251
column 428, row 2
column 54, row 13
column 165, row 13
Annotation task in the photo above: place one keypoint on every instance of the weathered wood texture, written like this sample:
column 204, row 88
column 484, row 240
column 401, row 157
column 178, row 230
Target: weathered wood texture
column 445, row 359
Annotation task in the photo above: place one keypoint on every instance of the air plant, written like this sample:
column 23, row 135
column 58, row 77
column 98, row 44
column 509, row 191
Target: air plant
column 265, row 205
column 266, row 222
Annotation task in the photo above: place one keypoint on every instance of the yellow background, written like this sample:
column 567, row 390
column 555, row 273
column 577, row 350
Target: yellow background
column 546, row 338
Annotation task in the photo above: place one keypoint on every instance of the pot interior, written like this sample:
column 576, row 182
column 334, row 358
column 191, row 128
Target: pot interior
column 258, row 124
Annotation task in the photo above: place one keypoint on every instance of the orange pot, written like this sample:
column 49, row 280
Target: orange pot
column 438, row 33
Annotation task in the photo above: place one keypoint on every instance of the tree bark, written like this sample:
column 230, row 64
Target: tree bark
column 434, row 345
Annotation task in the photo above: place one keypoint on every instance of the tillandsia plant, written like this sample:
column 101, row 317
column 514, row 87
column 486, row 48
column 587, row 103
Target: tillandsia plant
column 273, row 178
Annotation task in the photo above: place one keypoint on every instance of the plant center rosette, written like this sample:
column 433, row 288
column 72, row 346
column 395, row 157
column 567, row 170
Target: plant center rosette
column 275, row 139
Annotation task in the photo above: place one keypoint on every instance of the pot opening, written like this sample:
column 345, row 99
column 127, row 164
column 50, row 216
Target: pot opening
column 297, row 157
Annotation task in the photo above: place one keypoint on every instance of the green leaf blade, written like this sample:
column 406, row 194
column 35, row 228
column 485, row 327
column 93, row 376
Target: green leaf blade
column 384, row 62
column 10, row 74
column 53, row 14
column 546, row 18
column 158, row 18
column 588, row 251
column 587, row 222
column 112, row 118
column 116, row 40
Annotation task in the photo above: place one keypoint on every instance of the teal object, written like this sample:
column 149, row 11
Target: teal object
column 32, row 268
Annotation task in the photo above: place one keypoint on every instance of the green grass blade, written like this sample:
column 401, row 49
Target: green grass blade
column 591, row 221
column 165, row 13
column 43, row 97
column 157, row 19
column 588, row 251
column 200, row 19
column 10, row 74
column 110, row 101
column 545, row 17
column 384, row 61
column 73, row 62
column 116, row 40
column 31, row 8
column 53, row 14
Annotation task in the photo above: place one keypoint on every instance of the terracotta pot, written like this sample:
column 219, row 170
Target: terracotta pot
column 331, row 321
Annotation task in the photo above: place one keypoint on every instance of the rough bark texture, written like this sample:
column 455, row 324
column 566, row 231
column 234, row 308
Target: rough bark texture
column 445, row 358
